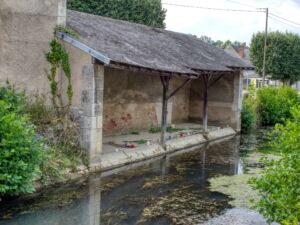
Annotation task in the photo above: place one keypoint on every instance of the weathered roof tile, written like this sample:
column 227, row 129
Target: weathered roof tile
column 148, row 47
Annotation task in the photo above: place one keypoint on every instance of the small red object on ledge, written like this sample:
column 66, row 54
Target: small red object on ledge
column 132, row 146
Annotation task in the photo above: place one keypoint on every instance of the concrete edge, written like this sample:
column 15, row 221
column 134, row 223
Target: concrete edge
column 108, row 162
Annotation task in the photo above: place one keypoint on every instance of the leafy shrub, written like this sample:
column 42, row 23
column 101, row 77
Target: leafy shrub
column 274, row 104
column 280, row 181
column 16, row 100
column 63, row 153
column 248, row 116
column 20, row 150
column 40, row 113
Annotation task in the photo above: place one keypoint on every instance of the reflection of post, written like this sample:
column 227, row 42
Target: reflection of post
column 203, row 161
column 237, row 167
column 165, row 161
column 94, row 200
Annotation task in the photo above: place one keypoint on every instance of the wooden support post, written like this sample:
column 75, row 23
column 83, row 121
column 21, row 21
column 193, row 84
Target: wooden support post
column 165, row 82
column 205, row 108
column 208, row 81
column 205, row 100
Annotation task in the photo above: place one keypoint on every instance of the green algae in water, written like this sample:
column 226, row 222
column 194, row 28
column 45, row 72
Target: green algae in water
column 112, row 182
column 237, row 186
column 161, row 180
column 183, row 207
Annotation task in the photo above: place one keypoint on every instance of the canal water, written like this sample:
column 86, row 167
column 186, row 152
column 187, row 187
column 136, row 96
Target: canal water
column 168, row 190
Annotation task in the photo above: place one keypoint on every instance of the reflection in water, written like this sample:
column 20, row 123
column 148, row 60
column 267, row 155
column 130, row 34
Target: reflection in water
column 170, row 190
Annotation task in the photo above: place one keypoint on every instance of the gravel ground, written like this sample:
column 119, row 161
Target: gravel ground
column 238, row 216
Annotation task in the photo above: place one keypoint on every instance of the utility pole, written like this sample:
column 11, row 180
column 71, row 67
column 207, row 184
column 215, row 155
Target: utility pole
column 265, row 46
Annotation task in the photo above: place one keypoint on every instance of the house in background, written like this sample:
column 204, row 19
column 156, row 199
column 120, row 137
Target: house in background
column 250, row 77
column 242, row 51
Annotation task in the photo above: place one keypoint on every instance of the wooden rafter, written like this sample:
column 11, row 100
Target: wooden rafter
column 165, row 80
column 208, row 81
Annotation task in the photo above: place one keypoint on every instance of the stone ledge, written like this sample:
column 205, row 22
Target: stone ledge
column 125, row 157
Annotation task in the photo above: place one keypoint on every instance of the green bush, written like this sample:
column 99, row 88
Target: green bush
column 20, row 150
column 16, row 100
column 274, row 104
column 280, row 181
column 248, row 116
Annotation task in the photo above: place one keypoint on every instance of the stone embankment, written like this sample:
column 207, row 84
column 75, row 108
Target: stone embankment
column 124, row 157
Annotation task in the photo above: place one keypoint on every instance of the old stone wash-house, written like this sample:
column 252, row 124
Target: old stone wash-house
column 126, row 76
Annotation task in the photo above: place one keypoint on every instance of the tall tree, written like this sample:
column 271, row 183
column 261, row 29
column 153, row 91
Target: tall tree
column 218, row 43
column 148, row 12
column 282, row 57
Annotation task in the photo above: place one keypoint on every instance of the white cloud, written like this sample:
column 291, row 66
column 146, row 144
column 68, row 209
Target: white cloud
column 230, row 25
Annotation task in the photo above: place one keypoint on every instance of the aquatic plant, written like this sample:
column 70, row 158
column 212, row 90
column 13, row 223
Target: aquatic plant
column 182, row 206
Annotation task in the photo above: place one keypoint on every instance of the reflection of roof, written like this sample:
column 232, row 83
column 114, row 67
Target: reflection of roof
column 147, row 47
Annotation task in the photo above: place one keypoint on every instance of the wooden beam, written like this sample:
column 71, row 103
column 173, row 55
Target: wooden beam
column 179, row 88
column 205, row 100
column 165, row 83
column 215, row 80
column 208, row 81
column 150, row 71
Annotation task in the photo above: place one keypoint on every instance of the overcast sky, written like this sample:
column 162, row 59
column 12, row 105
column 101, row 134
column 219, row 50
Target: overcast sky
column 224, row 25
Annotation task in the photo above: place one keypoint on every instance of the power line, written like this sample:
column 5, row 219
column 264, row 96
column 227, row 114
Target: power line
column 285, row 19
column 242, row 4
column 232, row 10
column 210, row 8
column 280, row 21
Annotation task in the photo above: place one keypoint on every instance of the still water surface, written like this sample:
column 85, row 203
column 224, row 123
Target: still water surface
column 169, row 190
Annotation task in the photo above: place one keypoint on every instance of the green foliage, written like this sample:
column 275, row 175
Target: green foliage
column 154, row 130
column 63, row 152
column 280, row 181
column 170, row 129
column 141, row 142
column 274, row 104
column 282, row 58
column 20, row 149
column 148, row 12
column 40, row 113
column 248, row 116
column 16, row 100
column 59, row 58
column 67, row 30
column 219, row 43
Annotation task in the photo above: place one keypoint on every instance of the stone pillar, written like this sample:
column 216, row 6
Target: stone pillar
column 92, row 108
column 62, row 12
column 237, row 101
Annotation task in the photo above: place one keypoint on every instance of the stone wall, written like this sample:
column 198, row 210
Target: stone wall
column 181, row 101
column 26, row 27
column 224, row 101
column 133, row 101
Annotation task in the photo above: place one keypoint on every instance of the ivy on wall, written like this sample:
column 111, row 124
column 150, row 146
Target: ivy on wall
column 58, row 59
